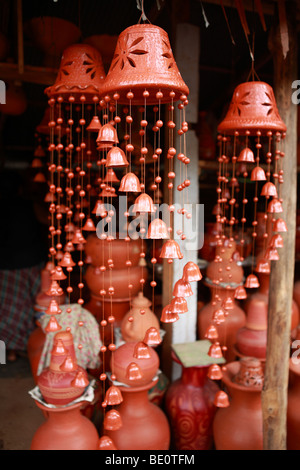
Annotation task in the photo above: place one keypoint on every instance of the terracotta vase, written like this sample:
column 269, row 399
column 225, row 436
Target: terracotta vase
column 138, row 319
column 190, row 408
column 145, row 426
column 65, row 429
column 121, row 251
column 293, row 407
column 240, row 426
column 228, row 329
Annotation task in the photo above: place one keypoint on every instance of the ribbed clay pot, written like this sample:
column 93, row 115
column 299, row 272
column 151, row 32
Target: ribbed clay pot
column 240, row 426
column 190, row 408
column 145, row 426
column 65, row 429
column 99, row 251
column 96, row 281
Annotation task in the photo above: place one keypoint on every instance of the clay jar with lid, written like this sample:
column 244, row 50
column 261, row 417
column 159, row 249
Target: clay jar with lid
column 228, row 279
column 144, row 425
column 240, row 426
column 55, row 383
column 138, row 319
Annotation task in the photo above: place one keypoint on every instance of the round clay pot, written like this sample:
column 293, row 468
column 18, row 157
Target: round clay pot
column 121, row 251
column 118, row 279
column 227, row 330
column 145, row 426
column 239, row 426
column 190, row 408
column 124, row 356
column 65, row 429
column 135, row 329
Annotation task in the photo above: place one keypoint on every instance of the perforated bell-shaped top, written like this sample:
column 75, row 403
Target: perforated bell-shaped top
column 253, row 107
column 81, row 72
column 144, row 60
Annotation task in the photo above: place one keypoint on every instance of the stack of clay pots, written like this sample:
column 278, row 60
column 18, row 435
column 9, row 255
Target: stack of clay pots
column 119, row 276
column 60, row 384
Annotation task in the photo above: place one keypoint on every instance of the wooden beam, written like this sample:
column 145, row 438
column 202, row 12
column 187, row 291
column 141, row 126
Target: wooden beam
column 274, row 395
column 31, row 74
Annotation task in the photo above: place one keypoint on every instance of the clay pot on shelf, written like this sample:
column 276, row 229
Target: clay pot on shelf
column 138, row 319
column 65, row 429
column 190, row 407
column 35, row 347
column 240, row 426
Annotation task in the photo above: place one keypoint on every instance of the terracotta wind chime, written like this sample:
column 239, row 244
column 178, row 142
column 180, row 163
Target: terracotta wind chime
column 144, row 81
column 252, row 132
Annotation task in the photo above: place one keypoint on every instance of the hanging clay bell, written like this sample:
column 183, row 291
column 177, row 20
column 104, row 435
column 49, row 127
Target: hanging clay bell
column 240, row 293
column 112, row 420
column 111, row 177
column 141, row 351
column 95, row 125
column 89, row 225
column 211, row 333
column 179, row 305
column 53, row 308
column 67, row 260
column 269, row 189
column 52, row 325
column 113, row 396
column 152, row 337
column 215, row 372
column 78, row 238
column 228, row 303
column 221, row 400
column 191, row 272
column 219, row 316
column 143, row 203
column 168, row 316
column 279, row 226
column 106, row 443
column 80, row 381
column 157, row 230
column 133, row 372
column 68, row 365
column 171, row 250
column 274, row 206
column 263, row 266
column 258, row 174
column 100, row 209
column 251, row 282
column 130, row 184
column 54, row 290
column 271, row 254
column 36, row 163
column 57, row 274
column 215, row 351
column 276, row 241
column 107, row 135
column 246, row 155
column 182, row 289
column 116, row 158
